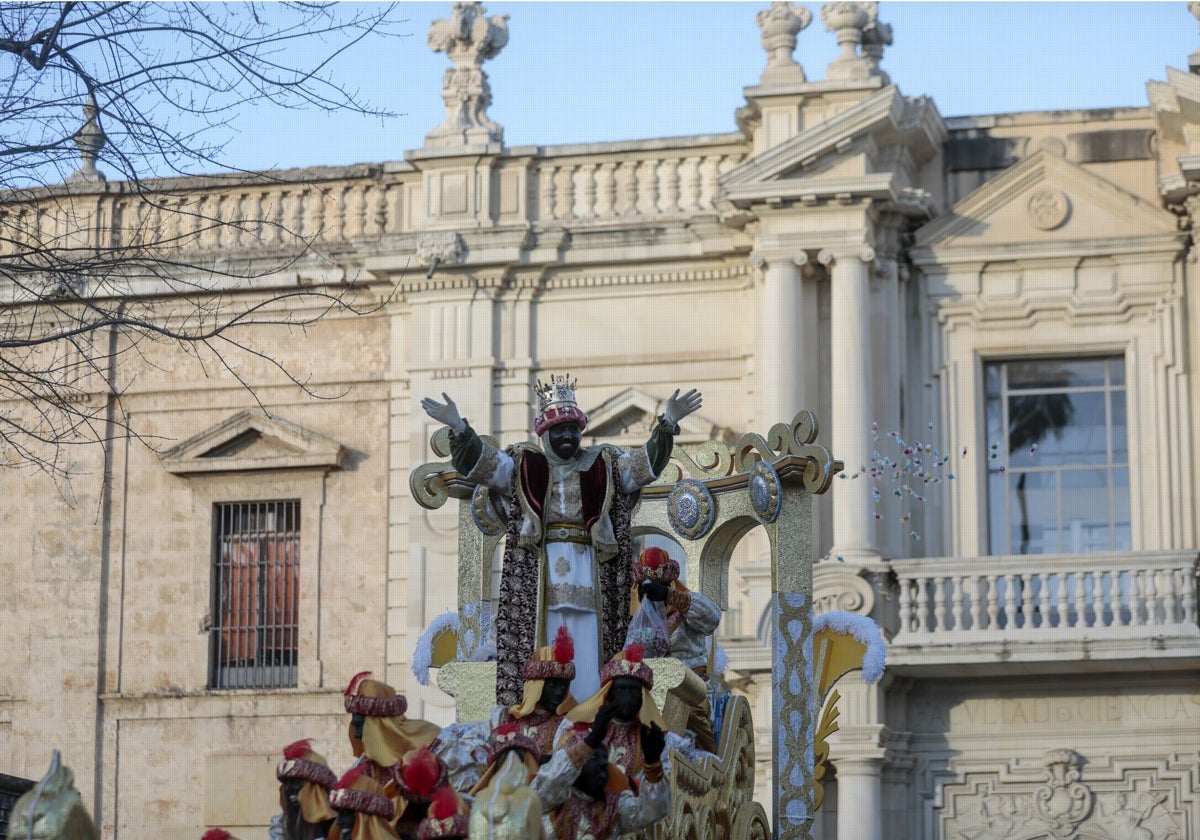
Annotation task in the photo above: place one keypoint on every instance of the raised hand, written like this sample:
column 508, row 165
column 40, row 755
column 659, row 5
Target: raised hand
column 679, row 407
column 654, row 741
column 604, row 717
column 445, row 413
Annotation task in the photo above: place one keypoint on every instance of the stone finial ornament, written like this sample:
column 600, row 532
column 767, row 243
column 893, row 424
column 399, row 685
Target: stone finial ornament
column 1194, row 58
column 53, row 810
column 848, row 19
column 874, row 38
column 90, row 139
column 779, row 25
column 469, row 39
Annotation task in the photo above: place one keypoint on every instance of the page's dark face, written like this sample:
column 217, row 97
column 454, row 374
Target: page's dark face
column 564, row 439
column 358, row 719
column 553, row 693
column 626, row 695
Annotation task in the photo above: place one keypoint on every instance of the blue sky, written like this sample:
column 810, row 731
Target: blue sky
column 586, row 72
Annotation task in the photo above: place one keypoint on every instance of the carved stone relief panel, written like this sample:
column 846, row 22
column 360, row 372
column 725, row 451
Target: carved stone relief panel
column 1069, row 800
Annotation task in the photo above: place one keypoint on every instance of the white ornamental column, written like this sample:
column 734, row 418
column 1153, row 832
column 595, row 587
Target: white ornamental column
column 850, row 397
column 860, row 798
column 781, row 365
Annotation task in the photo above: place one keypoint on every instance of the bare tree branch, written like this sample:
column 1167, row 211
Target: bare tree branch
column 123, row 227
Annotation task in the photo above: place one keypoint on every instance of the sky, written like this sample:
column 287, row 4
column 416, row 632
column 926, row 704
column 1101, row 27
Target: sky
column 590, row 72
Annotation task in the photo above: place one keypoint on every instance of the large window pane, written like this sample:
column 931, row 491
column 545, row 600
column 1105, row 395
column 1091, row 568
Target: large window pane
column 1046, row 419
column 1055, row 374
column 1085, row 511
column 1121, row 530
column 1120, row 444
column 1033, row 507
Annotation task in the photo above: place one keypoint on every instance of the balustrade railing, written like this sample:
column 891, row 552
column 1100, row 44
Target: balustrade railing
column 1029, row 594
column 621, row 187
column 277, row 216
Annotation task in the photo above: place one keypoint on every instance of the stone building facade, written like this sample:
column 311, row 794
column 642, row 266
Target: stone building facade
column 1016, row 293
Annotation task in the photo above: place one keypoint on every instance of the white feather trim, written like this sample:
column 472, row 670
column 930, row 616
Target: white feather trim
column 423, row 655
column 863, row 630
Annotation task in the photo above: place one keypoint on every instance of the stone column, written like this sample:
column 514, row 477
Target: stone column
column 850, row 395
column 860, row 798
column 782, row 370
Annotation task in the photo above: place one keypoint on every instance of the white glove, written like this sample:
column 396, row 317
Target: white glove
column 679, row 407
column 446, row 414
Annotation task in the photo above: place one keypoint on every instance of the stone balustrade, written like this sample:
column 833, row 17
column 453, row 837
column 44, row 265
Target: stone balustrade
column 1046, row 595
column 615, row 187
column 277, row 215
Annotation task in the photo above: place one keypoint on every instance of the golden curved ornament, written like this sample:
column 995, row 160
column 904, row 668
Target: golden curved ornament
column 825, row 728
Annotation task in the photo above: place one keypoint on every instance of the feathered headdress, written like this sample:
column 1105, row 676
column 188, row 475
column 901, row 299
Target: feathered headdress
column 420, row 773
column 372, row 697
column 357, row 791
column 216, row 834
column 445, row 820
column 555, row 662
column 628, row 664
column 300, row 762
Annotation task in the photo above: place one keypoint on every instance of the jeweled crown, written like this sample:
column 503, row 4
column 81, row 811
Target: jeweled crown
column 559, row 391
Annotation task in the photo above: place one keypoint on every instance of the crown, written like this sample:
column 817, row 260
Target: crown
column 556, row 403
column 559, row 391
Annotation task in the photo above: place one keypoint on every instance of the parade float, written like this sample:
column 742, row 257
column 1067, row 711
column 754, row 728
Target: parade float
column 705, row 501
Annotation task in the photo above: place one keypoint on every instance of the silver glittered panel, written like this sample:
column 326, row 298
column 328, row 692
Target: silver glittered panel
column 766, row 492
column 795, row 730
column 690, row 509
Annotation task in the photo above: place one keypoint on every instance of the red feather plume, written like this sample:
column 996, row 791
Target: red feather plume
column 421, row 772
column 443, row 804
column 635, row 653
column 351, row 776
column 298, row 749
column 356, row 681
column 564, row 646
column 216, row 834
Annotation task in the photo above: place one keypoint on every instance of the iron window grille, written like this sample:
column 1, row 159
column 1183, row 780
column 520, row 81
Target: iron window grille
column 255, row 586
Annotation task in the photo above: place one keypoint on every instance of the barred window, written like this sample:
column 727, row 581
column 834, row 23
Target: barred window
column 1058, row 458
column 256, row 574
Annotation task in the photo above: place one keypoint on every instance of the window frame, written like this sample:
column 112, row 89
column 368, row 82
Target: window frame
column 260, row 674
column 1001, row 464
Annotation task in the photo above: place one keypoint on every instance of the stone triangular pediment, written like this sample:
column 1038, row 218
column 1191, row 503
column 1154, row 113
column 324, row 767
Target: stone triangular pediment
column 253, row 440
column 629, row 416
column 809, row 162
column 1042, row 205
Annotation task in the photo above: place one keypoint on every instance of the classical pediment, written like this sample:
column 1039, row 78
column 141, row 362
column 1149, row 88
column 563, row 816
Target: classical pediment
column 1044, row 206
column 851, row 153
column 253, row 440
column 629, row 416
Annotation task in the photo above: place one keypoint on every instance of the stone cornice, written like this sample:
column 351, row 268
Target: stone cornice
column 1166, row 246
column 880, row 186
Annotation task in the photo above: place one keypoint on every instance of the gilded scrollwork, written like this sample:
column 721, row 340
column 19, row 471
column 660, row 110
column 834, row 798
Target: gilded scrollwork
column 714, row 459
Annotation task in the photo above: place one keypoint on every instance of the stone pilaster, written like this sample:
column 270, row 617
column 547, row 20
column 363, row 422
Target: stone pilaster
column 783, row 367
column 860, row 798
column 850, row 369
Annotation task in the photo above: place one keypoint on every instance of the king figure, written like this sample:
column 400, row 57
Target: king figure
column 568, row 548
